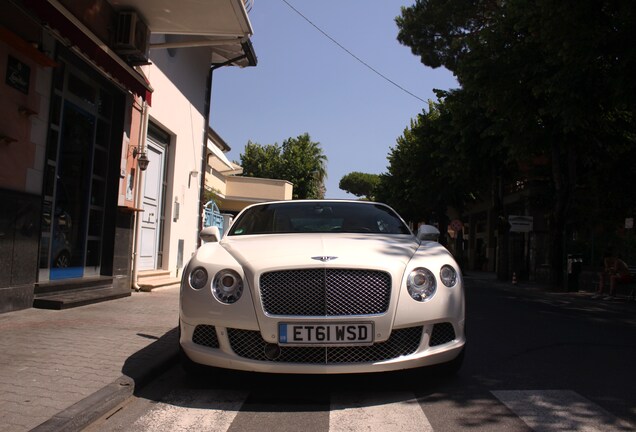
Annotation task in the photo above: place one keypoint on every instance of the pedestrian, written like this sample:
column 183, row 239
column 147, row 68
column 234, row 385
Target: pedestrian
column 616, row 271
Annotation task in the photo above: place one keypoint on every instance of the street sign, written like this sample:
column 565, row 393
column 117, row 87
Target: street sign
column 522, row 224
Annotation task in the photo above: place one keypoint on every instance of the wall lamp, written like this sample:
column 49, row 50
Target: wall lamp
column 142, row 158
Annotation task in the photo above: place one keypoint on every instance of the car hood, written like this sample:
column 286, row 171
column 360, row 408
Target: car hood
column 283, row 251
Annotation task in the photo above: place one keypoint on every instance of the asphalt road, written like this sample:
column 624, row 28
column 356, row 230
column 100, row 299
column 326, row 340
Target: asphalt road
column 535, row 361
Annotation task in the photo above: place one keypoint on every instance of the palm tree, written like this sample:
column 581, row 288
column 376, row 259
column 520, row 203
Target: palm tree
column 305, row 165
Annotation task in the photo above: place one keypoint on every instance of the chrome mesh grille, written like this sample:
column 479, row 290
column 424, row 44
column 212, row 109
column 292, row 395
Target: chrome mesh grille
column 442, row 333
column 249, row 344
column 205, row 335
column 325, row 292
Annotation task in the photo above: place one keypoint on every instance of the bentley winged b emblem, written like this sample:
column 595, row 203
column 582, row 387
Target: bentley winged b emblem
column 324, row 258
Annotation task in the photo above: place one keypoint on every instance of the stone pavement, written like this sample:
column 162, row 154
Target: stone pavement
column 60, row 370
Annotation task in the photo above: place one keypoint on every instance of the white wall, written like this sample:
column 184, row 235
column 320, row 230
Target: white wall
column 178, row 102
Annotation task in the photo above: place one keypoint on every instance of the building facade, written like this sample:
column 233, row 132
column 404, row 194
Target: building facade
column 103, row 114
column 232, row 191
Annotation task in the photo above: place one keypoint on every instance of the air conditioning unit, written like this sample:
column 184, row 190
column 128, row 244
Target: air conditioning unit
column 132, row 38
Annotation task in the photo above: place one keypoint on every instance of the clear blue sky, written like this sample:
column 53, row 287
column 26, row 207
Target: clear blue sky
column 305, row 83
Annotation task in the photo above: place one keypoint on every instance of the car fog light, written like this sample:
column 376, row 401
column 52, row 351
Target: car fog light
column 227, row 286
column 271, row 351
column 421, row 284
column 448, row 275
column 198, row 278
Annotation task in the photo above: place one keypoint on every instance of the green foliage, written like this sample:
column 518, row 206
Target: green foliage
column 210, row 195
column 549, row 81
column 445, row 159
column 299, row 161
column 264, row 161
column 360, row 184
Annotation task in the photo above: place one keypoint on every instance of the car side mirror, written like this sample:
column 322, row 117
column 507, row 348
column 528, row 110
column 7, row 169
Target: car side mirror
column 428, row 232
column 210, row 234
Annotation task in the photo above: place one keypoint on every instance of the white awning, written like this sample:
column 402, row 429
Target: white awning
column 221, row 25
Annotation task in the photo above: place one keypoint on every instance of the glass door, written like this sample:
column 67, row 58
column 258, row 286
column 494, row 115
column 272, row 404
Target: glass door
column 76, row 176
column 72, row 191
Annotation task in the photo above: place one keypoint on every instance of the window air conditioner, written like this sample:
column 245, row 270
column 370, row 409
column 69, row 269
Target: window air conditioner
column 132, row 38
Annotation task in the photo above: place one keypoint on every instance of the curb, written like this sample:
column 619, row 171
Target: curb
column 88, row 410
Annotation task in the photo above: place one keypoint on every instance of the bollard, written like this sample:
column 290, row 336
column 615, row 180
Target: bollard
column 514, row 278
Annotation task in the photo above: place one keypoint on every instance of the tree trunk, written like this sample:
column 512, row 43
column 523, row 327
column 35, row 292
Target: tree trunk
column 501, row 224
column 564, row 179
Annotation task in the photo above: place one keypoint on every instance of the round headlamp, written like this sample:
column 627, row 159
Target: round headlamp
column 421, row 284
column 227, row 286
column 198, row 278
column 448, row 275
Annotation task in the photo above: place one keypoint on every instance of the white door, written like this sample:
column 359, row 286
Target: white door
column 151, row 205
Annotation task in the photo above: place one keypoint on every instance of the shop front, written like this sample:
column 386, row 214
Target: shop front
column 85, row 117
column 65, row 105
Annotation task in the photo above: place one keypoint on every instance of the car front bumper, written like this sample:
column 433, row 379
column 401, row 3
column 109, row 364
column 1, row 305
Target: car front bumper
column 246, row 350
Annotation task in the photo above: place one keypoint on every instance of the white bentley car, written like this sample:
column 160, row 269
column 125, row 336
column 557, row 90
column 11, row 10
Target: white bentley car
column 321, row 287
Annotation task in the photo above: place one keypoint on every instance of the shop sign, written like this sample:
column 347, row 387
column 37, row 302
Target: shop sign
column 18, row 75
column 522, row 224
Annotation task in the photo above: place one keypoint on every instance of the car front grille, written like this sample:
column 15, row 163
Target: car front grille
column 325, row 292
column 205, row 335
column 442, row 333
column 249, row 344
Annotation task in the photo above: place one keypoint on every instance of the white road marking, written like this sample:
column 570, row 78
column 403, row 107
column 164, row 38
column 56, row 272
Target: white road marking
column 197, row 410
column 398, row 411
column 560, row 410
column 542, row 410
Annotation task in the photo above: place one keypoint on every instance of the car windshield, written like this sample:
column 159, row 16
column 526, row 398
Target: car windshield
column 318, row 217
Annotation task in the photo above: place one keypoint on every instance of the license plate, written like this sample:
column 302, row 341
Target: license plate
column 325, row 334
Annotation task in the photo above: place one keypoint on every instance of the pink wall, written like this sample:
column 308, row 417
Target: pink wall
column 17, row 151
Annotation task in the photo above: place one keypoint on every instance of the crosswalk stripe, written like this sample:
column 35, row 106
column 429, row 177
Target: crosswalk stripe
column 223, row 410
column 559, row 410
column 397, row 411
column 208, row 410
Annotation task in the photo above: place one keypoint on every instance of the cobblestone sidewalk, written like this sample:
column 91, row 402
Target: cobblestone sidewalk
column 51, row 361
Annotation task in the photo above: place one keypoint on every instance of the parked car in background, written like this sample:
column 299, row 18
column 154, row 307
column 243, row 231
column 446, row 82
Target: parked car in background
column 321, row 287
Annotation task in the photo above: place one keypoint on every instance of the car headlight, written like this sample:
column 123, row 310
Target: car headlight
column 421, row 284
column 448, row 275
column 227, row 286
column 198, row 278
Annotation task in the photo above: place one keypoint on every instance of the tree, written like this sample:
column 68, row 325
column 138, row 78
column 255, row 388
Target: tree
column 553, row 78
column 304, row 164
column 210, row 194
column 439, row 161
column 299, row 161
column 360, row 184
column 264, row 161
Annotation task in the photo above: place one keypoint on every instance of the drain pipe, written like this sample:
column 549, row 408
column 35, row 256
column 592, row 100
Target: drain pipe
column 250, row 55
column 141, row 145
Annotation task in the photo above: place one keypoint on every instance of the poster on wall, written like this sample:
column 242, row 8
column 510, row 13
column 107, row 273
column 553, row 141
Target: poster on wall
column 18, row 75
column 127, row 169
